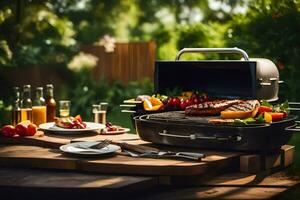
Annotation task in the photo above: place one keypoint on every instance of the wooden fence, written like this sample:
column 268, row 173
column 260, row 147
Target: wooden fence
column 128, row 62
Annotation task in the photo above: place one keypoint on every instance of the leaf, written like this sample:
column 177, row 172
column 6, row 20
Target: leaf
column 265, row 103
column 239, row 122
column 260, row 118
column 249, row 120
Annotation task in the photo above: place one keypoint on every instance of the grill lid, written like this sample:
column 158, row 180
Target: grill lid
column 223, row 79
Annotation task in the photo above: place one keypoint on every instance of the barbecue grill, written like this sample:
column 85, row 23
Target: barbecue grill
column 222, row 79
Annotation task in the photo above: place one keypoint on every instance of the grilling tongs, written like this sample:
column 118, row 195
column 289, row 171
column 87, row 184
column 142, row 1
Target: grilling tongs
column 150, row 152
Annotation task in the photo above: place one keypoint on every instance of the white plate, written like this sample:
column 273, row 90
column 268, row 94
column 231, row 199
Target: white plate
column 104, row 132
column 74, row 148
column 90, row 127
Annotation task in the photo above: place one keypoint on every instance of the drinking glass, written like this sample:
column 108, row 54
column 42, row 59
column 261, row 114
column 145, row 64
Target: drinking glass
column 99, row 111
column 64, row 108
column 103, row 106
column 96, row 110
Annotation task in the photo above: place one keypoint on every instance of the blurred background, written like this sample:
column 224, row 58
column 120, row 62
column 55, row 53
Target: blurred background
column 104, row 50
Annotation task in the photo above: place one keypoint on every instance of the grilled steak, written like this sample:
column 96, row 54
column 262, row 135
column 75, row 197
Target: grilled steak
column 241, row 110
column 210, row 107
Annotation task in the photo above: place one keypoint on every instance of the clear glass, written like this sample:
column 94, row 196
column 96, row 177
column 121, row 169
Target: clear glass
column 103, row 106
column 39, row 111
column 103, row 111
column 96, row 110
column 26, row 104
column 64, row 108
column 99, row 114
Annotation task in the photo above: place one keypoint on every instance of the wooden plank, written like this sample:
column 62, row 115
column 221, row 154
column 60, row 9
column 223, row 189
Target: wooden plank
column 217, row 193
column 53, row 179
column 250, row 163
column 255, row 163
column 234, row 186
column 128, row 62
column 254, row 180
column 29, row 156
column 288, row 154
column 54, row 184
column 55, row 141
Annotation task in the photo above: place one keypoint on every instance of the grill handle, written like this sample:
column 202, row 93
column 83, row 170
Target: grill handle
column 294, row 128
column 212, row 50
column 294, row 106
column 232, row 138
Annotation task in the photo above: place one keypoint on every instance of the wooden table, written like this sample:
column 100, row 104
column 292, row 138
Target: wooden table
column 34, row 167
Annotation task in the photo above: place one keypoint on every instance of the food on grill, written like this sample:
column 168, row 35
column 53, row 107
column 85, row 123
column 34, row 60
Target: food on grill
column 70, row 122
column 263, row 109
column 152, row 104
column 241, row 110
column 221, row 121
column 142, row 97
column 210, row 107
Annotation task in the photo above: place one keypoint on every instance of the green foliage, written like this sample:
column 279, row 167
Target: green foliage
column 201, row 35
column 5, row 113
column 33, row 34
column 271, row 29
column 88, row 92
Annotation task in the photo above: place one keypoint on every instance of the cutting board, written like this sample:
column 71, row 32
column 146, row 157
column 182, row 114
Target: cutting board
column 48, row 140
column 39, row 157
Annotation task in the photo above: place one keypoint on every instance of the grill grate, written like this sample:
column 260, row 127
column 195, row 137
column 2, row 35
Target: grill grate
column 178, row 117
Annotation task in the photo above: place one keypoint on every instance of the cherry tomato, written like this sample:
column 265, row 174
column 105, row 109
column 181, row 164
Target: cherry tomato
column 170, row 102
column 277, row 116
column 31, row 129
column 8, row 131
column 196, row 101
column 188, row 102
column 263, row 109
column 183, row 105
column 175, row 102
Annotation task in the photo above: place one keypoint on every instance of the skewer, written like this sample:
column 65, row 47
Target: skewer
column 128, row 105
column 128, row 111
column 132, row 101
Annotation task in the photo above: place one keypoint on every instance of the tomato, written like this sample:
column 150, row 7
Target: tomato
column 31, row 129
column 277, row 116
column 183, row 105
column 78, row 117
column 175, row 102
column 188, row 102
column 196, row 101
column 263, row 109
column 21, row 129
column 8, row 131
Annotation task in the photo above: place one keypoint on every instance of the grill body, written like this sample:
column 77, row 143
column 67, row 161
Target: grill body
column 189, row 133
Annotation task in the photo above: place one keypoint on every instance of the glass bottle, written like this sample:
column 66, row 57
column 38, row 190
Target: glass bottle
column 50, row 103
column 26, row 104
column 39, row 113
column 16, row 110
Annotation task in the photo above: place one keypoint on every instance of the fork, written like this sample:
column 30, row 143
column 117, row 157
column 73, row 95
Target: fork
column 100, row 145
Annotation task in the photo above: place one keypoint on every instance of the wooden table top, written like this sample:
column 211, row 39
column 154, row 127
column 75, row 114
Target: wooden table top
column 64, row 177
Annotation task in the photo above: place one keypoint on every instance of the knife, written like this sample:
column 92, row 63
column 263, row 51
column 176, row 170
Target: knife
column 150, row 152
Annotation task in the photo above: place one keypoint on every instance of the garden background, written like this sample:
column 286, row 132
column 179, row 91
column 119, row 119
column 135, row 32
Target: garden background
column 58, row 37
